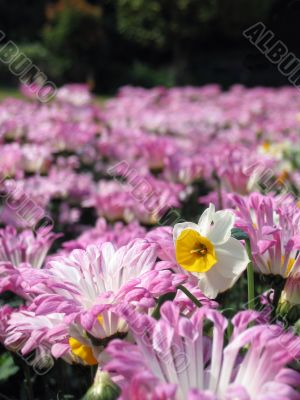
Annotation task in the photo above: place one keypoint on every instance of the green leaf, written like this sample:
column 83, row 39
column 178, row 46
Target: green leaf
column 163, row 298
column 239, row 234
column 7, row 366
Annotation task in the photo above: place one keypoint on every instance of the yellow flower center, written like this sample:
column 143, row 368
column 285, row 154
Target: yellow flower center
column 82, row 351
column 290, row 265
column 266, row 146
column 194, row 253
column 283, row 176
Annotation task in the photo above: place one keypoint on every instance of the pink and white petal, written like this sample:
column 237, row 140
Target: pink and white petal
column 277, row 391
column 58, row 350
column 289, row 377
column 264, row 245
column 236, row 392
column 195, row 394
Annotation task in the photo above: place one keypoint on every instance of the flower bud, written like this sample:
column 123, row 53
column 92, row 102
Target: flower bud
column 103, row 388
column 289, row 303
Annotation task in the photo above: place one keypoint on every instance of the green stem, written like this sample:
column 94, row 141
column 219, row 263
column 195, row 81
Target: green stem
column 229, row 330
column 190, row 295
column 220, row 197
column 219, row 191
column 93, row 370
column 250, row 277
column 165, row 297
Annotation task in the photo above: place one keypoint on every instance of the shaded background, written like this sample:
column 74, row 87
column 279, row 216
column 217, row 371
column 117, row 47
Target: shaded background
column 110, row 43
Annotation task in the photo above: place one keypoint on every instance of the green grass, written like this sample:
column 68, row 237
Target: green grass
column 9, row 92
column 14, row 92
column 101, row 99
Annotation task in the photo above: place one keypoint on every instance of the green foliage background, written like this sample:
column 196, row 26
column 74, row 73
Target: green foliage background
column 148, row 42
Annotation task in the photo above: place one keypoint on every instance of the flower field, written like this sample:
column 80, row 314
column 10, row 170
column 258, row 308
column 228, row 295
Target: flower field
column 150, row 245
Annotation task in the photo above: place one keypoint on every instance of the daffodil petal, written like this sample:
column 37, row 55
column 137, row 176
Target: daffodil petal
column 178, row 228
column 220, row 231
column 232, row 258
column 212, row 282
column 206, row 219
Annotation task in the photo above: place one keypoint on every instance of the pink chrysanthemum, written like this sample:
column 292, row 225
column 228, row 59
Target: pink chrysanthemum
column 88, row 284
column 180, row 358
column 272, row 225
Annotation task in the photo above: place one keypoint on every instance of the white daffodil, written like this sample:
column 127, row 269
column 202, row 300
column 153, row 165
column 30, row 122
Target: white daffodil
column 208, row 251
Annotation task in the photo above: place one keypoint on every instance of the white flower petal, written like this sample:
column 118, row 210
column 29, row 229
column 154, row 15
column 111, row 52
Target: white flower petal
column 206, row 219
column 206, row 286
column 220, row 231
column 212, row 283
column 232, row 258
column 178, row 228
column 107, row 253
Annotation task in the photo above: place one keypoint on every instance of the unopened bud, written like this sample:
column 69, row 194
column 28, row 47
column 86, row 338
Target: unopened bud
column 103, row 388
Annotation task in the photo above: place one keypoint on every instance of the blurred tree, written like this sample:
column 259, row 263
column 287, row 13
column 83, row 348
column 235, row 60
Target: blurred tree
column 22, row 20
column 166, row 24
column 73, row 34
column 158, row 21
column 182, row 27
column 147, row 42
column 233, row 17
